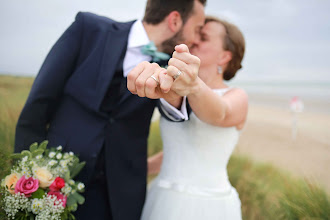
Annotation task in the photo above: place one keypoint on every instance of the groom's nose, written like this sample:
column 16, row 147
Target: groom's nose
column 197, row 39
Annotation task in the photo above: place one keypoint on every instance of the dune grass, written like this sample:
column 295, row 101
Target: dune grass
column 265, row 191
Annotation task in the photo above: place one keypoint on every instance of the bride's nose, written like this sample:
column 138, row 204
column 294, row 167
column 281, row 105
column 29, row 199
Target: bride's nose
column 193, row 46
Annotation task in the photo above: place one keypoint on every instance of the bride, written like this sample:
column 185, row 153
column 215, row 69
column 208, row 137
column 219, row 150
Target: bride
column 193, row 181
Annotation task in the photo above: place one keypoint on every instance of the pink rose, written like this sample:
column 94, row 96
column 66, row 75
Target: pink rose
column 59, row 196
column 57, row 185
column 26, row 186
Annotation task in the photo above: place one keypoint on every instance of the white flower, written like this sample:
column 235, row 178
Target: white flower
column 14, row 203
column 59, row 156
column 66, row 155
column 63, row 163
column 24, row 159
column 59, row 148
column 71, row 182
column 52, row 154
column 52, row 162
column 32, row 163
column 66, row 189
column 37, row 206
column 81, row 186
column 71, row 153
column 26, row 172
column 39, row 157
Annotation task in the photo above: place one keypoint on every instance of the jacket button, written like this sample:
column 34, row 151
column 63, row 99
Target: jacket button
column 111, row 120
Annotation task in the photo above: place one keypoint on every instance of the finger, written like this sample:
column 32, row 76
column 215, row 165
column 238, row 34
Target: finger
column 133, row 75
column 186, row 57
column 151, row 85
column 173, row 72
column 142, row 78
column 181, row 48
column 166, row 82
column 150, row 89
column 180, row 65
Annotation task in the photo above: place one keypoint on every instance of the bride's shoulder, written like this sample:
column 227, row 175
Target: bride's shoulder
column 233, row 93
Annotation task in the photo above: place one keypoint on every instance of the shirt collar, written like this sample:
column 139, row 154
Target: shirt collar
column 138, row 36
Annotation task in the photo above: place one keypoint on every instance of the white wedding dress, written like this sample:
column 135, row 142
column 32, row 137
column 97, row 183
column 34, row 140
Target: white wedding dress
column 193, row 182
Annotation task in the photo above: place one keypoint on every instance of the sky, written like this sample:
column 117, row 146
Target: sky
column 285, row 39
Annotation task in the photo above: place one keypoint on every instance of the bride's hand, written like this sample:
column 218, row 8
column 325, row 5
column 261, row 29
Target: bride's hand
column 183, row 67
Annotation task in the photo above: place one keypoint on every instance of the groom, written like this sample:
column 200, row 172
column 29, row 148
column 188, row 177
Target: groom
column 80, row 100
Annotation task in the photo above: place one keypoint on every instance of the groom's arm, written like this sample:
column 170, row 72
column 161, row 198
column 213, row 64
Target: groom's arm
column 48, row 87
column 174, row 111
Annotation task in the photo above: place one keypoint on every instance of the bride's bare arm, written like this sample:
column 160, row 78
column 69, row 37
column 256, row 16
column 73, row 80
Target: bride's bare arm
column 154, row 163
column 226, row 111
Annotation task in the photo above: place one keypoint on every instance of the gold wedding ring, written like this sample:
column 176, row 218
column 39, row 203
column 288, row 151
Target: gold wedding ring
column 177, row 75
column 154, row 78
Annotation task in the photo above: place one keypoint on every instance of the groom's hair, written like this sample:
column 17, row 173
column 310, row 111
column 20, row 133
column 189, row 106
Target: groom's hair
column 157, row 10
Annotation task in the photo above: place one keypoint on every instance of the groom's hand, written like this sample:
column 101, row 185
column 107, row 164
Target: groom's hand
column 150, row 80
column 183, row 67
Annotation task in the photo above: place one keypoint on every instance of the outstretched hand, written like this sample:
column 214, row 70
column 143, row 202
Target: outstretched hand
column 183, row 67
column 179, row 79
column 150, row 80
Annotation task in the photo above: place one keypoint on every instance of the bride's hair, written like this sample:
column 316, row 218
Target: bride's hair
column 233, row 42
column 157, row 10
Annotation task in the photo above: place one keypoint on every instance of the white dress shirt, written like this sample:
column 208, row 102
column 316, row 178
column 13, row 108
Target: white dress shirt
column 138, row 38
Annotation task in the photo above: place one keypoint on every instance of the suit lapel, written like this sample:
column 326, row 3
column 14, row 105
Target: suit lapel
column 115, row 43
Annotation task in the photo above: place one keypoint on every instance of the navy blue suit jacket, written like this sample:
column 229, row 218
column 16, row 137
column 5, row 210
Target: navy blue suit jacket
column 64, row 108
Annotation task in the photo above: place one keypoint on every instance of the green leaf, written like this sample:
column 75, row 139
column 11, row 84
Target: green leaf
column 37, row 152
column 31, row 217
column 72, row 216
column 16, row 156
column 71, row 201
column 33, row 146
column 74, row 207
column 76, row 169
column 38, row 194
column 79, row 198
column 43, row 145
column 26, row 153
column 67, row 176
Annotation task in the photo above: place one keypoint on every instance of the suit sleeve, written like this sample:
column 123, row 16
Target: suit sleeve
column 48, row 87
column 171, row 113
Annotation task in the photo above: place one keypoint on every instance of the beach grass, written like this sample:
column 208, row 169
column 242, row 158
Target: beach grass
column 266, row 192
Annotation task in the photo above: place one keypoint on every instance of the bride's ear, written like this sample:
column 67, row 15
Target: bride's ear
column 224, row 58
column 174, row 21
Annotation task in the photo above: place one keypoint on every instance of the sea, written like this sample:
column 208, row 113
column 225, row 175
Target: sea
column 315, row 95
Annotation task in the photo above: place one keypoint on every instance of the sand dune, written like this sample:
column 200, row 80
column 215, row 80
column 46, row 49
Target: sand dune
column 267, row 137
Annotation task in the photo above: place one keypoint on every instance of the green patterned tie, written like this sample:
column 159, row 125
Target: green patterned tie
column 151, row 50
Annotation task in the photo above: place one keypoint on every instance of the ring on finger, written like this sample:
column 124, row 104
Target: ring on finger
column 177, row 75
column 154, row 78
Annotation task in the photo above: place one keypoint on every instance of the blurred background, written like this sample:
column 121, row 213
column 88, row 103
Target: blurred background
column 280, row 166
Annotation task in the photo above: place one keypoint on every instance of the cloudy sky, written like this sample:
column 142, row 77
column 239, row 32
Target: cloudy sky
column 286, row 39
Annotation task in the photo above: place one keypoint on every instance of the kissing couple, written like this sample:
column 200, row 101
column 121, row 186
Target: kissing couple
column 96, row 92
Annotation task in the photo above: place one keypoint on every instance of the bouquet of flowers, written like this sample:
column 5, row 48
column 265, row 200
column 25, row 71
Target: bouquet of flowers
column 41, row 184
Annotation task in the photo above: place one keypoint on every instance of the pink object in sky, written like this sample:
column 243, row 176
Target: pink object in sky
column 296, row 105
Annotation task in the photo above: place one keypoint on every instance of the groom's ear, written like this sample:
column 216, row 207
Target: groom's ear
column 174, row 21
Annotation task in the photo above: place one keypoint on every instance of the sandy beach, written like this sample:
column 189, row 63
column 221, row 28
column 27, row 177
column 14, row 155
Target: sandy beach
column 267, row 137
